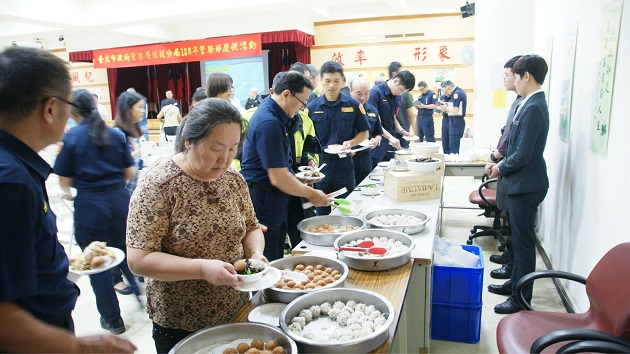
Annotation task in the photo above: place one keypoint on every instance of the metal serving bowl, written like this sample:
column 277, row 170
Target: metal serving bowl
column 408, row 229
column 375, row 263
column 361, row 345
column 326, row 239
column 274, row 294
column 208, row 338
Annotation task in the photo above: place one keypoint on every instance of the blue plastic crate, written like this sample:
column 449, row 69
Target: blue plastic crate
column 457, row 285
column 455, row 323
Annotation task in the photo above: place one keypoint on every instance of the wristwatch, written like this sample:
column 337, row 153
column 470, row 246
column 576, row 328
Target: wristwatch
column 493, row 158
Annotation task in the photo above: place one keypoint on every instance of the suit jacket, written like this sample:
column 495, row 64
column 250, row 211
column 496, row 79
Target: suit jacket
column 523, row 170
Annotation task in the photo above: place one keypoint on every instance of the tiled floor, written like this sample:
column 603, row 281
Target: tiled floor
column 456, row 224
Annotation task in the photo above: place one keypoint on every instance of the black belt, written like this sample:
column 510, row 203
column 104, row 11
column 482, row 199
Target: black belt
column 104, row 188
column 456, row 117
column 263, row 186
column 328, row 156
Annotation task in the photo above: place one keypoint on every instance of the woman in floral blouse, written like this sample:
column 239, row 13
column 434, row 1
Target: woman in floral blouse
column 189, row 220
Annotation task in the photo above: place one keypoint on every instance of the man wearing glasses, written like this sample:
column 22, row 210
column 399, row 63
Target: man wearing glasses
column 36, row 298
column 339, row 120
column 267, row 157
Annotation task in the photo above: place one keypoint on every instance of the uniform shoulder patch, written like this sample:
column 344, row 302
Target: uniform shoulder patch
column 361, row 108
column 455, row 96
column 434, row 96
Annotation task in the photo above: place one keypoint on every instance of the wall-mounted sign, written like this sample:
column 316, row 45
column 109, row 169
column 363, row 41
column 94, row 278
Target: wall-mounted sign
column 247, row 45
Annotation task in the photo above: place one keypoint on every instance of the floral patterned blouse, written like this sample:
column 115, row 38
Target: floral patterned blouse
column 172, row 212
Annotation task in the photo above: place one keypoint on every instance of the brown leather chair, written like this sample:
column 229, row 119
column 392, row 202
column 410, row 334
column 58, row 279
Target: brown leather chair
column 486, row 198
column 604, row 328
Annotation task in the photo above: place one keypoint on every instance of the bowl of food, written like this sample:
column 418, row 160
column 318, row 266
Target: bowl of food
column 235, row 337
column 250, row 270
column 423, row 165
column 403, row 220
column 396, row 248
column 338, row 321
column 304, row 275
column 371, row 189
column 425, row 148
column 323, row 230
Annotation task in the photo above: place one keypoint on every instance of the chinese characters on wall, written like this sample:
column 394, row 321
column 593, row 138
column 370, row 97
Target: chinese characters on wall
column 418, row 55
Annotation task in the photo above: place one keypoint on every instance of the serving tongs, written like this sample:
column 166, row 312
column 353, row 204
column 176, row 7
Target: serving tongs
column 330, row 196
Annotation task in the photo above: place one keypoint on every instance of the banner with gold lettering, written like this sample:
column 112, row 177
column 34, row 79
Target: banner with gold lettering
column 248, row 45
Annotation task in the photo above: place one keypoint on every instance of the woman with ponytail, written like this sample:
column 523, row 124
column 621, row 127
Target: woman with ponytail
column 95, row 160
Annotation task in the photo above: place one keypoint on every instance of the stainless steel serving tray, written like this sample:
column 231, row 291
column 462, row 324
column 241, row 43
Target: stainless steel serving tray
column 375, row 263
column 223, row 334
column 361, row 345
column 408, row 229
column 281, row 295
column 327, row 239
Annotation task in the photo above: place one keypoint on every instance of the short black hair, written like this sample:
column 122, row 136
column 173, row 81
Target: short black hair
column 312, row 69
column 169, row 90
column 199, row 95
column 533, row 64
column 447, row 83
column 406, row 79
column 28, row 76
column 331, row 67
column 422, row 84
column 393, row 67
column 291, row 80
column 510, row 63
column 300, row 67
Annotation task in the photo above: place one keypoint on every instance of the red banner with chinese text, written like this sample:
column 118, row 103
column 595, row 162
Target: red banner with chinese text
column 247, row 45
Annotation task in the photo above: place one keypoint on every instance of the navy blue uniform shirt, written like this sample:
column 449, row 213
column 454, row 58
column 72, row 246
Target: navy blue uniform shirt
column 386, row 103
column 267, row 143
column 428, row 98
column 33, row 264
column 87, row 164
column 375, row 123
column 338, row 121
column 458, row 96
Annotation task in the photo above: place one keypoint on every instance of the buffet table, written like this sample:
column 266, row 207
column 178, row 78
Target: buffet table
column 460, row 168
column 408, row 287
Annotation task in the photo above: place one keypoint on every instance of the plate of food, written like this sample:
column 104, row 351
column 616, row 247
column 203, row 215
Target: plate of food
column 268, row 279
column 336, row 149
column 310, row 175
column 371, row 189
column 96, row 258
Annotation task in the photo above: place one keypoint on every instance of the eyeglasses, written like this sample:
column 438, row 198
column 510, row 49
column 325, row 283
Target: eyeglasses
column 302, row 102
column 63, row 100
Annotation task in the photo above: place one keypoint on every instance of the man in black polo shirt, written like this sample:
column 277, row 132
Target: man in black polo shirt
column 36, row 298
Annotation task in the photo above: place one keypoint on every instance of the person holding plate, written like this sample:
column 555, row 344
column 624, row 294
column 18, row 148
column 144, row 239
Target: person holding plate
column 95, row 159
column 189, row 220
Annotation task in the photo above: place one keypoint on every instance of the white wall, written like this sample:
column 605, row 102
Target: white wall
column 585, row 212
column 499, row 35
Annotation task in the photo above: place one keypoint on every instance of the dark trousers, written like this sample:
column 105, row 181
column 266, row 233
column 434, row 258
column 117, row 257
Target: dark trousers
column 362, row 165
column 452, row 131
column 426, row 128
column 339, row 173
column 522, row 213
column 381, row 153
column 295, row 214
column 271, row 210
column 166, row 338
column 403, row 143
column 102, row 216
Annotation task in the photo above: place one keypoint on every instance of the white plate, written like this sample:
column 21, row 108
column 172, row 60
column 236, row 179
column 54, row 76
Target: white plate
column 379, row 178
column 411, row 138
column 302, row 175
column 325, row 254
column 365, row 142
column 268, row 280
column 404, row 152
column 267, row 313
column 371, row 191
column 119, row 256
column 336, row 151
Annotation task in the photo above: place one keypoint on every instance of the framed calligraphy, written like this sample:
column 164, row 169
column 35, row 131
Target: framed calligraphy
column 566, row 90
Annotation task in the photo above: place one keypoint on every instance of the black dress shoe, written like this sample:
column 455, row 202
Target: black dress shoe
column 116, row 327
column 505, row 289
column 499, row 258
column 508, row 306
column 504, row 272
column 127, row 290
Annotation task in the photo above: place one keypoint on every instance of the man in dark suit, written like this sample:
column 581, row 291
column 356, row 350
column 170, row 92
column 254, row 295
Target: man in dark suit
column 523, row 170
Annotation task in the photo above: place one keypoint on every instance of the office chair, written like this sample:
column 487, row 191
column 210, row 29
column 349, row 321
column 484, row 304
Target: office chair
column 486, row 198
column 604, row 328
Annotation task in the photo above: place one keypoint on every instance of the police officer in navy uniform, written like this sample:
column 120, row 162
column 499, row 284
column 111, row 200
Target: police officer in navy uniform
column 267, row 159
column 36, row 298
column 426, row 103
column 384, row 97
column 455, row 107
column 96, row 161
column 338, row 119
column 360, row 90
